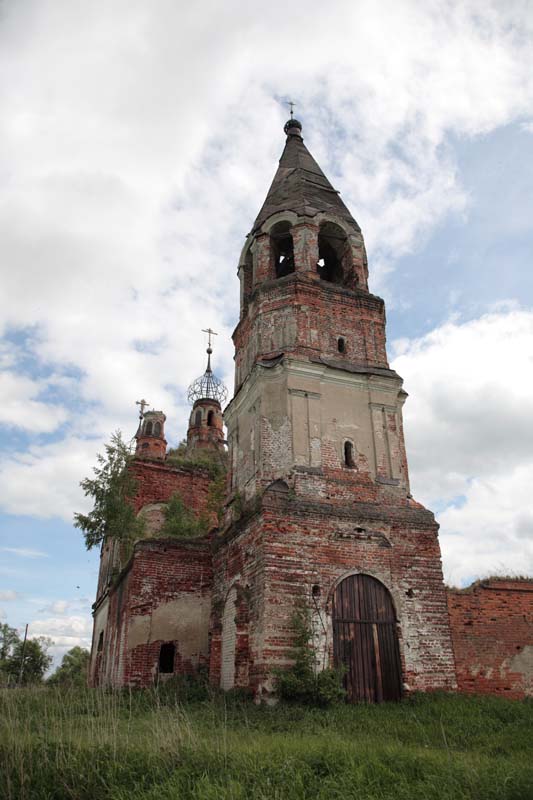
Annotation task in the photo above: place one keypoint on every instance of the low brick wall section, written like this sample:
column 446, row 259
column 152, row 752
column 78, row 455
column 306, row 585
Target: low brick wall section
column 168, row 600
column 492, row 635
column 157, row 482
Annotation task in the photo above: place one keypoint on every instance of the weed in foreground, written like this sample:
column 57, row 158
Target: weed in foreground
column 149, row 745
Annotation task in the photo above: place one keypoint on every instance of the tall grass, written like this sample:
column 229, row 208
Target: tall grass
column 147, row 745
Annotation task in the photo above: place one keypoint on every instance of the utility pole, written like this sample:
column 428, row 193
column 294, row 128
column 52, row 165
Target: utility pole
column 21, row 670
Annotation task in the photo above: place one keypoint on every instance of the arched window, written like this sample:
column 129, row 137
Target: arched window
column 349, row 460
column 166, row 657
column 341, row 344
column 211, row 418
column 148, row 429
column 229, row 641
column 282, row 249
column 198, row 418
column 100, row 642
column 332, row 253
column 157, row 429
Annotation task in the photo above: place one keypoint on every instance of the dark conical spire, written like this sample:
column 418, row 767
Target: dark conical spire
column 299, row 184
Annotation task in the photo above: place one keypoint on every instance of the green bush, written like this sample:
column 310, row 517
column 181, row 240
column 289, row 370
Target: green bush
column 181, row 522
column 113, row 489
column 301, row 682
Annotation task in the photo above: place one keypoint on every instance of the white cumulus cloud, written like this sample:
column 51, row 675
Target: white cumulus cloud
column 8, row 595
column 137, row 143
column 470, row 438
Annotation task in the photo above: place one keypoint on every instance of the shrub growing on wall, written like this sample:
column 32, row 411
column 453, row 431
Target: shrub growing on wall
column 301, row 682
column 112, row 489
column 181, row 522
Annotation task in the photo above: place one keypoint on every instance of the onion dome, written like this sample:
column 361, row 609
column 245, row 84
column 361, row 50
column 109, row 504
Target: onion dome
column 293, row 127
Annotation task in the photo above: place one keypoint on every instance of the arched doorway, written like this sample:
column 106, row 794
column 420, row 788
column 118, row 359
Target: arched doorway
column 365, row 641
column 229, row 640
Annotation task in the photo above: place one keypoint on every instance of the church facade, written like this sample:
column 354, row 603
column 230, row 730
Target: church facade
column 318, row 510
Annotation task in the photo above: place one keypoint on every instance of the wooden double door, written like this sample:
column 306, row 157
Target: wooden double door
column 365, row 640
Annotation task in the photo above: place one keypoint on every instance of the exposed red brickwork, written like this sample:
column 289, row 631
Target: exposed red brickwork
column 156, row 483
column 164, row 592
column 292, row 546
column 205, row 430
column 492, row 635
column 150, row 436
column 306, row 317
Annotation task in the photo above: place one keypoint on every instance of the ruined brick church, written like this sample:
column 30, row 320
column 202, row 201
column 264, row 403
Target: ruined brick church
column 318, row 507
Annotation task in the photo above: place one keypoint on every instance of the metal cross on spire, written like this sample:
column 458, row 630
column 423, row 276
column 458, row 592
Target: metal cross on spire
column 209, row 333
column 291, row 106
column 209, row 348
column 143, row 404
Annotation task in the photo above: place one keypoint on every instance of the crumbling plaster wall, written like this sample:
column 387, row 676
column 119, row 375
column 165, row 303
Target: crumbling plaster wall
column 300, row 316
column 175, row 586
column 298, row 414
column 313, row 546
column 238, row 566
column 167, row 599
column 291, row 546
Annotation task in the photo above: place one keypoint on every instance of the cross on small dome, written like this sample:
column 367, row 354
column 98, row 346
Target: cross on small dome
column 207, row 386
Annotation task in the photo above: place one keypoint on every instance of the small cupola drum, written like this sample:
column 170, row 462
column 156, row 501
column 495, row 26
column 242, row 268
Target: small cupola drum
column 207, row 394
column 150, row 436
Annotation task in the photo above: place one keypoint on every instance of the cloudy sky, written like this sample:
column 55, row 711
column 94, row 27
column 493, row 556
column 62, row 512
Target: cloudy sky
column 137, row 143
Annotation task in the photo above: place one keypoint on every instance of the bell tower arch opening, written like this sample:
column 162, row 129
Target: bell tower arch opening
column 282, row 249
column 333, row 253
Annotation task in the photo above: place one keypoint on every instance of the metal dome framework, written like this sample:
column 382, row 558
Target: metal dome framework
column 207, row 387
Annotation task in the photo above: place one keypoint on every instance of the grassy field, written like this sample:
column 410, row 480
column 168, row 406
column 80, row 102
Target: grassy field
column 94, row 745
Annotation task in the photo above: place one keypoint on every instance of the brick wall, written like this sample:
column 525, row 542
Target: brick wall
column 163, row 596
column 157, row 482
column 291, row 546
column 297, row 315
column 492, row 634
column 166, row 583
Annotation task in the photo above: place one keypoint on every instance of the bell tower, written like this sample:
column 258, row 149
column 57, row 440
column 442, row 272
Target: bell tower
column 319, row 506
column 314, row 394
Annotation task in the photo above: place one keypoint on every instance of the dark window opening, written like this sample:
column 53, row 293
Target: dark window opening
column 332, row 253
column 148, row 429
column 157, row 429
column 211, row 418
column 316, row 590
column 198, row 419
column 282, row 249
column 341, row 345
column 348, row 455
column 166, row 657
column 100, row 646
column 145, row 445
